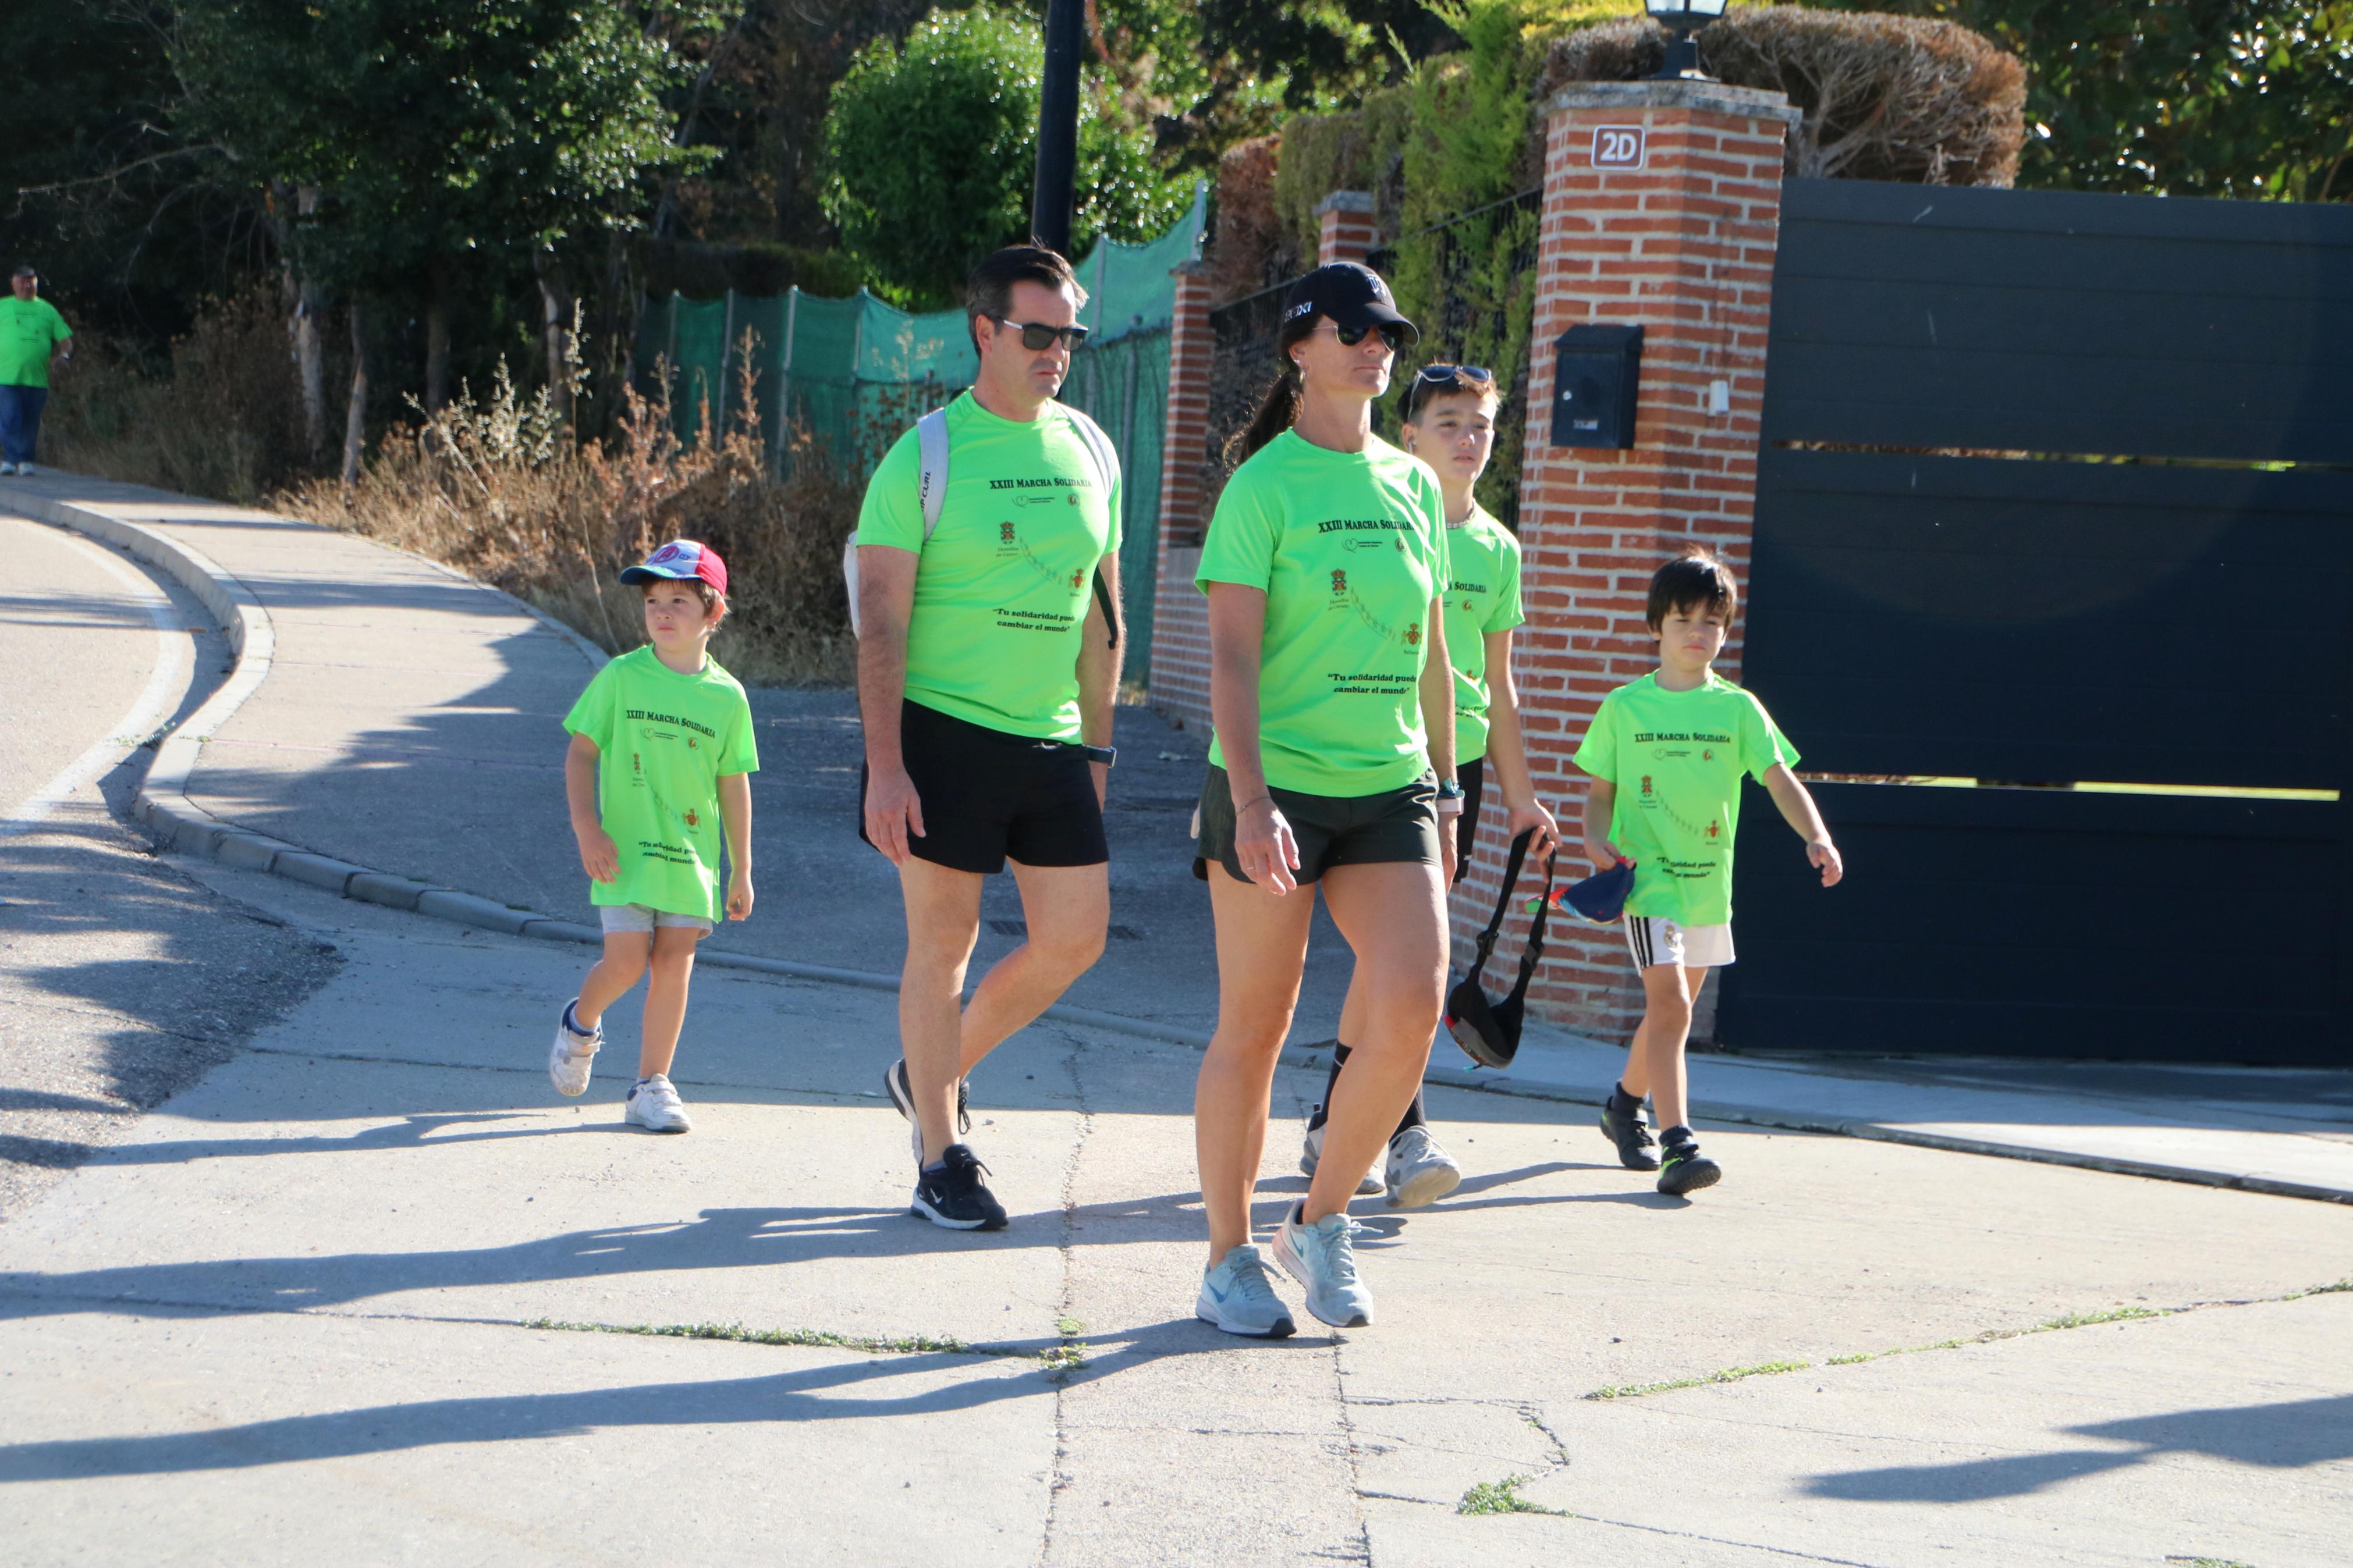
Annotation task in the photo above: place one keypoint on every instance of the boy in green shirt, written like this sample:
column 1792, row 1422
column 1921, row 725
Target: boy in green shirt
column 1666, row 753
column 661, row 748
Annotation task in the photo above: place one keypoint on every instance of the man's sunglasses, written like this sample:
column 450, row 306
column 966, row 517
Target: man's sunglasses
column 1038, row 339
column 1392, row 334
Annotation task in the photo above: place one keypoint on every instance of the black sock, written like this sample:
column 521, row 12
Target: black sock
column 1679, row 1138
column 1413, row 1115
column 1322, row 1112
column 1622, row 1102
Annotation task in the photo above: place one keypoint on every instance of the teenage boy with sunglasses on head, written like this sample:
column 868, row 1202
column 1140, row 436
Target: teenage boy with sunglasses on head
column 987, row 620
column 1450, row 423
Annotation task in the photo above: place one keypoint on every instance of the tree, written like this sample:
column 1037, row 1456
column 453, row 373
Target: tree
column 930, row 147
column 404, row 141
column 2217, row 97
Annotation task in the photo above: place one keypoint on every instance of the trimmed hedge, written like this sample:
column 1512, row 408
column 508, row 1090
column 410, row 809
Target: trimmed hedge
column 1884, row 98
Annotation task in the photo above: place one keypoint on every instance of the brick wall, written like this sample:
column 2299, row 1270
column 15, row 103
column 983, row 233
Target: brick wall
column 1682, row 244
column 1180, row 683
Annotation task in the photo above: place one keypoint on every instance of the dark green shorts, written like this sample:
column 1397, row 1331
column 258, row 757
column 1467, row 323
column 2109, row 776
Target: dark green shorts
column 1398, row 824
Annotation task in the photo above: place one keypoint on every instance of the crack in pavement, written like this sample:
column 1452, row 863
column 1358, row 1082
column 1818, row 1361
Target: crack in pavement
column 1073, row 1049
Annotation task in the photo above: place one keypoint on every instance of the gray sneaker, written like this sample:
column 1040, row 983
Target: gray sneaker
column 7, row 468
column 1417, row 1171
column 1322, row 1258
column 1239, row 1298
column 24, row 468
column 573, row 1054
column 1310, row 1154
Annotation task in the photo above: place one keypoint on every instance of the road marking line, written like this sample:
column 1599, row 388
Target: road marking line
column 174, row 663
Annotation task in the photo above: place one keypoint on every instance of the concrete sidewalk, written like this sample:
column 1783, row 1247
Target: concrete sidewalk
column 405, row 722
column 373, row 1293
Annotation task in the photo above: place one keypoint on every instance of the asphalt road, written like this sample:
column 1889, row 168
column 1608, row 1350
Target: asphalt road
column 120, row 981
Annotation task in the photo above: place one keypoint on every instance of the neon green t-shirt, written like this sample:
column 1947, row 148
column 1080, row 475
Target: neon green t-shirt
column 30, row 331
column 1003, row 583
column 1481, row 596
column 1350, row 548
column 667, row 739
column 1676, row 758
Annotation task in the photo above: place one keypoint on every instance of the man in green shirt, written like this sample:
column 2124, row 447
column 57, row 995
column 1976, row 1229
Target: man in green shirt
column 33, row 339
column 986, row 589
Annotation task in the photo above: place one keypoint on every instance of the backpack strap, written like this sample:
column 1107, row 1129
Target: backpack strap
column 931, row 489
column 1503, row 902
column 1533, row 955
column 932, row 451
column 1105, row 458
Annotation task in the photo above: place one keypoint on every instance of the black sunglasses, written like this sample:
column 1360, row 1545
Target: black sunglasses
column 1392, row 334
column 1037, row 339
column 1447, row 374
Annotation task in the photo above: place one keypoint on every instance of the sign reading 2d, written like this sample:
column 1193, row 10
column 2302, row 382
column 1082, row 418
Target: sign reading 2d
column 1617, row 147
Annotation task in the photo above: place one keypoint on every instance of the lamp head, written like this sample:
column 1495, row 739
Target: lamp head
column 1683, row 19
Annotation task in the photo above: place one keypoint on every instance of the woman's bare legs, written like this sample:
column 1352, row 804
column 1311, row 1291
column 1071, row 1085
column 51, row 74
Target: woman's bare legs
column 1261, row 952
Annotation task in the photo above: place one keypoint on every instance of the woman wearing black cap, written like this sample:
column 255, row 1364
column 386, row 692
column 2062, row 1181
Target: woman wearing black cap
column 1333, row 761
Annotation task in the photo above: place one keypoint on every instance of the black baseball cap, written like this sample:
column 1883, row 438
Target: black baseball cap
column 1350, row 294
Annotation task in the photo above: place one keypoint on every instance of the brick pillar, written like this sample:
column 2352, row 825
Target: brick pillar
column 1179, row 681
column 1680, row 242
column 1344, row 230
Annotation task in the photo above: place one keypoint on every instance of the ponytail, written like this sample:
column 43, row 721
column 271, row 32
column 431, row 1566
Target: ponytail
column 1277, row 412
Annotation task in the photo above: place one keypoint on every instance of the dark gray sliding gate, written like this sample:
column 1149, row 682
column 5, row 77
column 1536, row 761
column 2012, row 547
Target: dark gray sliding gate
column 1944, row 585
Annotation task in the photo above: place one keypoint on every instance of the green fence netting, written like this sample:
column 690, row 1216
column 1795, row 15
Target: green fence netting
column 857, row 373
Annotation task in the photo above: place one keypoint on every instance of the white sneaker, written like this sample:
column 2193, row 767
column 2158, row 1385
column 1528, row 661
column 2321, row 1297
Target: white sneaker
column 1417, row 1171
column 1310, row 1154
column 1239, row 1298
column 569, row 1059
column 654, row 1106
column 25, row 469
column 7, row 467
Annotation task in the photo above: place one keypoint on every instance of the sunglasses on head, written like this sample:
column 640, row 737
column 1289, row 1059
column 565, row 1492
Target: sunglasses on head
column 1392, row 334
column 1037, row 339
column 1448, row 375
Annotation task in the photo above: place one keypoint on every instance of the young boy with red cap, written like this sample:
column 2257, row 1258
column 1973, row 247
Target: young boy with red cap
column 657, row 776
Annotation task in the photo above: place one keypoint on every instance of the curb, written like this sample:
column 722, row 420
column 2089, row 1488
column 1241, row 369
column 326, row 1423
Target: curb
column 178, row 822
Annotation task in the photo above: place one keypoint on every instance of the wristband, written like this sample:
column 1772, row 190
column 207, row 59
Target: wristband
column 1450, row 806
column 1253, row 801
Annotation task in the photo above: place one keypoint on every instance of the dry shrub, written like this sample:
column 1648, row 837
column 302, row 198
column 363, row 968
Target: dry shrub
column 498, row 489
column 223, row 420
column 1251, row 249
column 1884, row 98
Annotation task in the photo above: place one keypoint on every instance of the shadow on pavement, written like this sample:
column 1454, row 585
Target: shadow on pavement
column 2286, row 1436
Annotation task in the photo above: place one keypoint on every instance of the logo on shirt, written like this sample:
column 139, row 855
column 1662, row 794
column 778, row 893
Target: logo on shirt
column 1713, row 827
column 1646, row 783
column 692, row 820
column 1339, row 581
column 1413, row 634
column 1005, row 533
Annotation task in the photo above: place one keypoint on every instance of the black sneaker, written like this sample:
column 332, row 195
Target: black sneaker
column 953, row 1194
column 903, row 1095
column 1634, row 1141
column 1687, row 1169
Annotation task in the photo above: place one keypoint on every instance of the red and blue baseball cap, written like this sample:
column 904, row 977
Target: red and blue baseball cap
column 681, row 560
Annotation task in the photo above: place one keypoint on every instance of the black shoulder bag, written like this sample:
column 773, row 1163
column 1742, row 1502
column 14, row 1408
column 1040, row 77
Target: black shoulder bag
column 1489, row 1033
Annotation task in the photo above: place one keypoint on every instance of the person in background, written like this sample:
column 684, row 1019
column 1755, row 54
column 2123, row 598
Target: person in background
column 34, row 342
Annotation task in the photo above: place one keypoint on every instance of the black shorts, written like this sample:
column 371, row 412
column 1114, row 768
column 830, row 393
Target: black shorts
column 1398, row 824
column 1473, row 776
column 987, row 797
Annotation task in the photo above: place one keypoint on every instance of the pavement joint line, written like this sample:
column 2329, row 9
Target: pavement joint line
column 162, row 803
column 539, row 1070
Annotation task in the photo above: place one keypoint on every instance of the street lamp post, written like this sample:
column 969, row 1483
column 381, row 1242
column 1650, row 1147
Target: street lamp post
column 1683, row 19
column 1054, row 194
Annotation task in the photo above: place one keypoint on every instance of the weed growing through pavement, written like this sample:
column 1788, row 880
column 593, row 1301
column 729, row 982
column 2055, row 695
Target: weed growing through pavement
column 815, row 1338
column 1503, row 1497
column 1726, row 1374
column 2214, row 1562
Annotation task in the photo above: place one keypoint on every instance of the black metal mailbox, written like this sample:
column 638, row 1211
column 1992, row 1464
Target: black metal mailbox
column 1595, row 372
